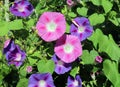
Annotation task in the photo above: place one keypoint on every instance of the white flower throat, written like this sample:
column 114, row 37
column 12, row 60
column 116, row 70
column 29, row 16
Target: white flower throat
column 51, row 26
column 80, row 27
column 68, row 48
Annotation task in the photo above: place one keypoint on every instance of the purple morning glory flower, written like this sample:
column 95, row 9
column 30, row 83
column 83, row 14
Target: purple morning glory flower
column 14, row 55
column 98, row 59
column 61, row 67
column 41, row 80
column 74, row 82
column 81, row 27
column 9, row 45
column 21, row 8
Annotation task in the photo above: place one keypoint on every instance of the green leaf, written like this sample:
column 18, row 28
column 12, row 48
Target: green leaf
column 74, row 71
column 82, row 11
column 96, row 2
column 23, row 71
column 105, row 44
column 107, row 5
column 68, row 28
column 23, row 83
column 114, row 21
column 45, row 66
column 3, row 28
column 96, row 19
column 111, row 72
column 30, row 23
column 15, row 25
column 89, row 58
column 32, row 60
column 72, row 14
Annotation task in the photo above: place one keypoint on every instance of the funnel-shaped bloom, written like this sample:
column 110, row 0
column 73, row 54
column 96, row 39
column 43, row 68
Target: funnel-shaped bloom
column 68, row 48
column 60, row 66
column 74, row 82
column 41, row 80
column 14, row 55
column 51, row 26
column 21, row 8
column 81, row 28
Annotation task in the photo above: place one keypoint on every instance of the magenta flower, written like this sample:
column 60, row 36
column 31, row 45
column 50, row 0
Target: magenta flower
column 74, row 82
column 60, row 66
column 29, row 69
column 21, row 8
column 98, row 59
column 41, row 80
column 14, row 55
column 68, row 48
column 81, row 27
column 51, row 26
column 70, row 2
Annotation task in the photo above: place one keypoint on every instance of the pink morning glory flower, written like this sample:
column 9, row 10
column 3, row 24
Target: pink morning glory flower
column 21, row 8
column 68, row 48
column 51, row 26
column 60, row 66
column 74, row 82
column 41, row 80
column 81, row 27
column 98, row 59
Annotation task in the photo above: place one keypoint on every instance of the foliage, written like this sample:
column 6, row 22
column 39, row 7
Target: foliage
column 105, row 41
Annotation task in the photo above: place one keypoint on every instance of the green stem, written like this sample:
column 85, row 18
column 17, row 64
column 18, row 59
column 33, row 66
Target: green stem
column 7, row 9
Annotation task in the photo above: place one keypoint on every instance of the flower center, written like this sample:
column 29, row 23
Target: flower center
column 42, row 83
column 60, row 63
column 21, row 8
column 81, row 29
column 18, row 57
column 51, row 26
column 68, row 48
column 75, row 83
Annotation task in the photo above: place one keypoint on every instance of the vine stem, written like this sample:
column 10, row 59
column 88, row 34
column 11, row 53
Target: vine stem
column 6, row 10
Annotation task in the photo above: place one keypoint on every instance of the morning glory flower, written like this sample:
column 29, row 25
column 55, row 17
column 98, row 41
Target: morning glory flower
column 68, row 48
column 70, row 2
column 74, row 82
column 21, row 8
column 9, row 45
column 29, row 69
column 51, row 26
column 60, row 66
column 41, row 80
column 81, row 27
column 16, row 56
column 98, row 59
